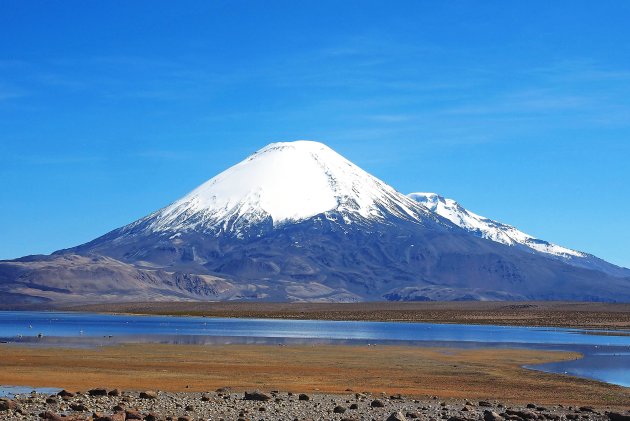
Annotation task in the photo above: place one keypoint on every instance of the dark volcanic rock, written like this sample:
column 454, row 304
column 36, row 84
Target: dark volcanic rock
column 376, row 403
column 8, row 404
column 256, row 396
column 339, row 409
column 65, row 394
column 79, row 407
column 616, row 416
column 133, row 414
column 97, row 392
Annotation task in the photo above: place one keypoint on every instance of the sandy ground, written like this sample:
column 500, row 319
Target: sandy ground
column 562, row 314
column 414, row 371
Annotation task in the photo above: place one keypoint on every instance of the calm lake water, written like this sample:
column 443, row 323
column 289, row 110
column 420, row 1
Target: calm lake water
column 606, row 353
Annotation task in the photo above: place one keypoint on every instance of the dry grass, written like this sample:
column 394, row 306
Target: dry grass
column 414, row 371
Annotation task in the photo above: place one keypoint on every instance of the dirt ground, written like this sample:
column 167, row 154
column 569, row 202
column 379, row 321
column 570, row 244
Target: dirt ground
column 413, row 371
column 549, row 313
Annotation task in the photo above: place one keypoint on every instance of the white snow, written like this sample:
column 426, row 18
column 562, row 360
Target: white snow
column 288, row 181
column 487, row 228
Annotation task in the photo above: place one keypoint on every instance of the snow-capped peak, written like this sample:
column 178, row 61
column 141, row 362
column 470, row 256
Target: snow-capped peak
column 288, row 181
column 487, row 228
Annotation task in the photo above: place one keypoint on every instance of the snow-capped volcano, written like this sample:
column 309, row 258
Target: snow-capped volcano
column 296, row 221
column 284, row 182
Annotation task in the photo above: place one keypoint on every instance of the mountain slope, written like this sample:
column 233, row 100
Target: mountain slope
column 71, row 278
column 506, row 234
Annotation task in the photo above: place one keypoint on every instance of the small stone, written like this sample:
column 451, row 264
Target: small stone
column 485, row 403
column 256, row 396
column 6, row 404
column 304, row 397
column 397, row 416
column 50, row 416
column 491, row 416
column 524, row 414
column 79, row 407
column 97, row 392
column 616, row 416
column 376, row 403
column 148, row 394
column 66, row 394
column 114, row 392
column 354, row 406
column 339, row 409
column 133, row 414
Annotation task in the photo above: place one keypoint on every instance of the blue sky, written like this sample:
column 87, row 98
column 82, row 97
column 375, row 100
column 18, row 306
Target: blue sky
column 519, row 110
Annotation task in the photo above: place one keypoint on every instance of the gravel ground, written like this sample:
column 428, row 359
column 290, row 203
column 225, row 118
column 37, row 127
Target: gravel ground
column 223, row 404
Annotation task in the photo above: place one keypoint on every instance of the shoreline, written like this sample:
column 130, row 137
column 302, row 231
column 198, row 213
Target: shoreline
column 574, row 315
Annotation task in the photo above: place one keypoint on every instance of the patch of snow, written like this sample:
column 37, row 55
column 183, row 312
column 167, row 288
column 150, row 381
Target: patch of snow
column 282, row 182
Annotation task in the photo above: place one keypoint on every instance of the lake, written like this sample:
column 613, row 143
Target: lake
column 606, row 353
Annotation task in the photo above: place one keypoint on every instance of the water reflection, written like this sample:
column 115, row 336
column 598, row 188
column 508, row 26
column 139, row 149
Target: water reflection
column 607, row 353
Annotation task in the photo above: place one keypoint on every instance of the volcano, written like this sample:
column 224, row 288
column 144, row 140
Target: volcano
column 296, row 221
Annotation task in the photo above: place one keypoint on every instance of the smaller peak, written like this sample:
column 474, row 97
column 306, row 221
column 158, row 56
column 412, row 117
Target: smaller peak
column 429, row 200
column 429, row 197
column 423, row 194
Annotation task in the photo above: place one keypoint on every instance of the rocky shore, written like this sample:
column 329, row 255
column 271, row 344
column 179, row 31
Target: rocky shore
column 224, row 404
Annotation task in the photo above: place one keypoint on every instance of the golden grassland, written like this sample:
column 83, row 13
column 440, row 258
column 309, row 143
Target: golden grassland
column 413, row 371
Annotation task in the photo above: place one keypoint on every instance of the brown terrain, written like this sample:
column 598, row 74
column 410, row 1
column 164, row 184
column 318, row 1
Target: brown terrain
column 413, row 371
column 548, row 313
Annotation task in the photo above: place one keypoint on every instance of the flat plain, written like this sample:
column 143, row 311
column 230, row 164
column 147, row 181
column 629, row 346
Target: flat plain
column 495, row 374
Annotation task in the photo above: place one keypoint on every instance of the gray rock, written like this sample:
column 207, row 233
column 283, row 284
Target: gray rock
column 148, row 394
column 491, row 416
column 396, row 416
column 377, row 403
column 339, row 409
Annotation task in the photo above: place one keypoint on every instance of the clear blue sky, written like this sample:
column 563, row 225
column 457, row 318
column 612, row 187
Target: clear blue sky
column 520, row 110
